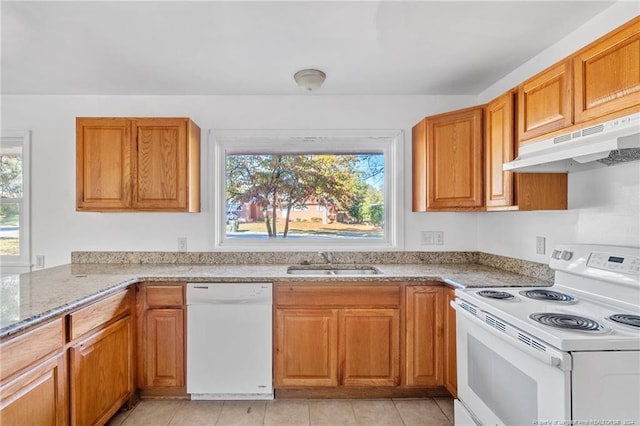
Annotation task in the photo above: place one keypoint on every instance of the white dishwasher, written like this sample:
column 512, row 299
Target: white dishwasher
column 229, row 340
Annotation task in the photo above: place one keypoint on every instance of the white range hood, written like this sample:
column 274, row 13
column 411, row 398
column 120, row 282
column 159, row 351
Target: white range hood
column 612, row 142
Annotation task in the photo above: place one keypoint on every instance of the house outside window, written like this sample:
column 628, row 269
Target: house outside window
column 14, row 199
column 312, row 190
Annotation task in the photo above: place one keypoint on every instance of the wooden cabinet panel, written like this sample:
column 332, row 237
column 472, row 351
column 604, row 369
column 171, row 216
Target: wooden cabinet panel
column 369, row 347
column 306, row 351
column 447, row 152
column 37, row 397
column 101, row 373
column 607, row 73
column 424, row 336
column 21, row 351
column 165, row 296
column 506, row 190
column 161, row 164
column 450, row 364
column 161, row 339
column 103, row 163
column 379, row 295
column 137, row 164
column 499, row 149
column 99, row 313
column 164, row 348
column 545, row 102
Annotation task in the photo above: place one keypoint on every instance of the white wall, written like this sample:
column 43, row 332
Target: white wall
column 603, row 204
column 57, row 229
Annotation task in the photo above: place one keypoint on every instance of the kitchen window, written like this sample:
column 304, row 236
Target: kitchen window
column 14, row 199
column 294, row 190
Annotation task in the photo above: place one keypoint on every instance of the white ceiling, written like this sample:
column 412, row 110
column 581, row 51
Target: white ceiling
column 241, row 47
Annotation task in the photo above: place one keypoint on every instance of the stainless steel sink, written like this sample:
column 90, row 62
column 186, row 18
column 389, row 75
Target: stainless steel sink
column 333, row 270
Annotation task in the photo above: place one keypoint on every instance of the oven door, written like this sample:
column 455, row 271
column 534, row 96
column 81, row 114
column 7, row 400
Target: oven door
column 503, row 381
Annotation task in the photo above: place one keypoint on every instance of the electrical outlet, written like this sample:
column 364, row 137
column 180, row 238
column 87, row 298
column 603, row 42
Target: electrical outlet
column 439, row 238
column 427, row 238
column 39, row 261
column 540, row 245
column 182, row 243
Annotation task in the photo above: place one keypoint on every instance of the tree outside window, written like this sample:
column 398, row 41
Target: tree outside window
column 13, row 199
column 307, row 190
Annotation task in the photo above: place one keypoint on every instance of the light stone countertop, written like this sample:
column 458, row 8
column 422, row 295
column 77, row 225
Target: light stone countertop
column 34, row 297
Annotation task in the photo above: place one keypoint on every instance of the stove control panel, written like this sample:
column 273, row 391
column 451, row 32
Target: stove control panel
column 613, row 262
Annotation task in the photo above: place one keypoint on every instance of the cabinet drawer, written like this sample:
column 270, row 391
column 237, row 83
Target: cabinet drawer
column 21, row 351
column 161, row 296
column 98, row 313
column 338, row 295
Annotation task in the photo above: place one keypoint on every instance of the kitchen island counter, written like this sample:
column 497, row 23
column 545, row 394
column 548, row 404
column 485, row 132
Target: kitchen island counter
column 31, row 298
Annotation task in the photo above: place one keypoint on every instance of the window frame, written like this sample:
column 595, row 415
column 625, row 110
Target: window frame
column 388, row 142
column 22, row 139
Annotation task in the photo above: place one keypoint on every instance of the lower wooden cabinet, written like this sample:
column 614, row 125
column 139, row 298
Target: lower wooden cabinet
column 450, row 364
column 161, row 339
column 424, row 336
column 369, row 347
column 101, row 368
column 37, row 397
column 306, row 347
column 337, row 335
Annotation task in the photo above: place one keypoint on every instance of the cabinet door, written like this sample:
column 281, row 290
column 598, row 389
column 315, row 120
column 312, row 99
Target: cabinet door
column 607, row 74
column 103, row 164
column 164, row 348
column 101, row 373
column 499, row 149
column 450, row 364
column 161, row 164
column 545, row 102
column 306, row 349
column 37, row 397
column 447, row 152
column 369, row 342
column 424, row 338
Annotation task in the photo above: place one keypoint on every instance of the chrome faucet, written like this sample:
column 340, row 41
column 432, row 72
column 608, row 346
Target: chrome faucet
column 327, row 256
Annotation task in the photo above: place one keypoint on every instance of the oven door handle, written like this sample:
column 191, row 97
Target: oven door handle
column 540, row 351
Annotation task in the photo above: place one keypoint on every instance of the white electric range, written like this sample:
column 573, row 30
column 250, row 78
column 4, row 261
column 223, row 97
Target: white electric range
column 565, row 354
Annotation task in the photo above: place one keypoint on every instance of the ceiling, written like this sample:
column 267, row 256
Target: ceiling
column 254, row 48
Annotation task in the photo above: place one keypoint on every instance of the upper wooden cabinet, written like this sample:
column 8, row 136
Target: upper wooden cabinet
column 137, row 164
column 499, row 149
column 607, row 73
column 599, row 82
column 447, row 162
column 545, row 102
column 506, row 190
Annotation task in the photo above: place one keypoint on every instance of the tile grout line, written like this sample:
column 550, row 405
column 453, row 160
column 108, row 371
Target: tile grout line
column 398, row 411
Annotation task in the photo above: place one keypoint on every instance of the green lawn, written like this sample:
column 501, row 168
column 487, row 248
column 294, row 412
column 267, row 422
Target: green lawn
column 312, row 228
column 10, row 246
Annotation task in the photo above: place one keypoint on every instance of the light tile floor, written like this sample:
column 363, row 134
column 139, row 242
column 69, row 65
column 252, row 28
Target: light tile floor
column 290, row 412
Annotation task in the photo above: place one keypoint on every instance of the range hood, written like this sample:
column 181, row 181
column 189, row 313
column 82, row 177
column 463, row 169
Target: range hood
column 612, row 142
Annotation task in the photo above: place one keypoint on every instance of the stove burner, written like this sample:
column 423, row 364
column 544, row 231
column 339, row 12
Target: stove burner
column 492, row 294
column 626, row 319
column 550, row 295
column 568, row 321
